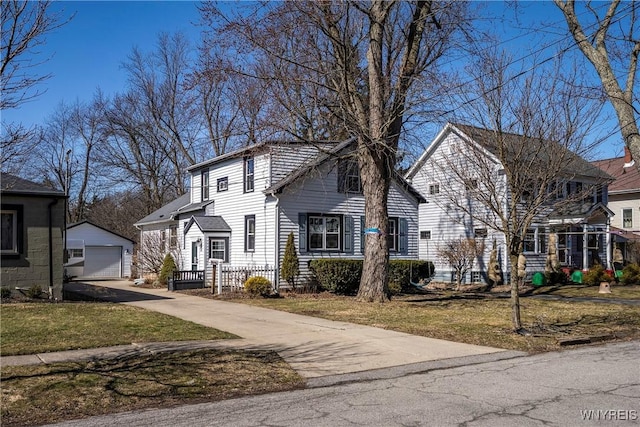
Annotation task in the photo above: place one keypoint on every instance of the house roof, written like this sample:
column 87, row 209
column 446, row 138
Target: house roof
column 70, row 226
column 252, row 149
column 306, row 168
column 208, row 223
column 485, row 138
column 627, row 179
column 11, row 184
column 165, row 212
column 579, row 212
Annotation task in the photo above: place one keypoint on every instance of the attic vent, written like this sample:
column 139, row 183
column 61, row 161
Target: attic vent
column 161, row 215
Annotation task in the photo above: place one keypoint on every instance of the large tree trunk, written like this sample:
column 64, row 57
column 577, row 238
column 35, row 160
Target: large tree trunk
column 375, row 182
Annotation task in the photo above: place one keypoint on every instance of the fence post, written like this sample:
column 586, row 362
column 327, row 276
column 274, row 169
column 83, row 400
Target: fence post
column 219, row 276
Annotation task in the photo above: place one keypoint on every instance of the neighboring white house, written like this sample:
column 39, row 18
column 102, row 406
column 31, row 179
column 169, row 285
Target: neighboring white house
column 95, row 252
column 242, row 206
column 582, row 231
column 624, row 199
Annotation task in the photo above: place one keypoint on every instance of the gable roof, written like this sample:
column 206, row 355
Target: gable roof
column 70, row 226
column 253, row 149
column 208, row 223
column 11, row 184
column 165, row 213
column 485, row 139
column 627, row 176
column 323, row 157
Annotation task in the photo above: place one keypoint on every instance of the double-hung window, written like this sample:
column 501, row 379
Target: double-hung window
column 349, row 177
column 392, row 235
column 248, row 174
column 218, row 248
column 173, row 236
column 204, row 185
column 250, row 233
column 434, row 188
column 627, row 218
column 324, row 232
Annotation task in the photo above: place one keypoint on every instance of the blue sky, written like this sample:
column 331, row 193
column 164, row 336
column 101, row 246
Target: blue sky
column 87, row 52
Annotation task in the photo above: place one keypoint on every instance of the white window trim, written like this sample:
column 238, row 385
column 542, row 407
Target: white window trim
column 630, row 210
column 324, row 232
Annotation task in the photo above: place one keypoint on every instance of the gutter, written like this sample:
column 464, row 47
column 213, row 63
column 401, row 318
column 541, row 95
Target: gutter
column 276, row 263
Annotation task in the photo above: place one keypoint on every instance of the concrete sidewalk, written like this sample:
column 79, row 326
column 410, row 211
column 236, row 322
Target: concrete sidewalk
column 313, row 347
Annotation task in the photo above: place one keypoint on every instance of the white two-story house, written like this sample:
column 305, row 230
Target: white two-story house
column 580, row 230
column 242, row 206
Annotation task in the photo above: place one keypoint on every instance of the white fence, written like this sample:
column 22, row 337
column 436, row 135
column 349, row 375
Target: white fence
column 231, row 278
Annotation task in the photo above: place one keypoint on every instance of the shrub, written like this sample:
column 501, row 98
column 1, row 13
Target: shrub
column 404, row 271
column 631, row 274
column 595, row 275
column 555, row 278
column 168, row 267
column 34, row 292
column 5, row 293
column 257, row 285
column 290, row 265
column 340, row 276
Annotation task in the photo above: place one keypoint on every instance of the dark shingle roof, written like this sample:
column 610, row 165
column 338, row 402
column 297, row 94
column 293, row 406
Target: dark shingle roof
column 12, row 184
column 209, row 223
column 165, row 212
column 575, row 163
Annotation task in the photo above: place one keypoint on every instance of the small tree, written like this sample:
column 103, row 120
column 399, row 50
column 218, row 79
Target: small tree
column 290, row 264
column 168, row 267
column 461, row 254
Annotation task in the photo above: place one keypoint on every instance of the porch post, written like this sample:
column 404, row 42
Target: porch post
column 585, row 247
column 607, row 245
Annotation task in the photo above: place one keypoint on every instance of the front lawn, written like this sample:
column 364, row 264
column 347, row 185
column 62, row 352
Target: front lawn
column 481, row 319
column 42, row 394
column 28, row 328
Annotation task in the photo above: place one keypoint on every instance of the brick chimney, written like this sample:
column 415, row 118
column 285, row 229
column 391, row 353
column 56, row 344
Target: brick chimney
column 628, row 159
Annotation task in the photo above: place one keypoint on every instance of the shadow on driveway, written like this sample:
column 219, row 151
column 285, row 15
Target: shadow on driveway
column 78, row 291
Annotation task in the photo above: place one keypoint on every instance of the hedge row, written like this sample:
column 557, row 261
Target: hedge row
column 342, row 276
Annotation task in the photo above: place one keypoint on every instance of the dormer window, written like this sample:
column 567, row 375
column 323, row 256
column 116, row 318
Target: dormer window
column 204, row 185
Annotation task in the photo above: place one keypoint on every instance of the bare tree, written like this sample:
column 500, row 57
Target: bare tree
column 25, row 25
column 362, row 60
column 461, row 254
column 516, row 169
column 609, row 37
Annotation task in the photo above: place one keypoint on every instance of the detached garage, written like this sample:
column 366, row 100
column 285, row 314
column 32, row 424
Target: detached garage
column 95, row 252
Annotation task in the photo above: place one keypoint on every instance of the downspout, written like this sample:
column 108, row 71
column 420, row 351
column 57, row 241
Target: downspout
column 276, row 264
column 50, row 219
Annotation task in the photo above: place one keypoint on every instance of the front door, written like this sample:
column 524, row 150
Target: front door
column 194, row 255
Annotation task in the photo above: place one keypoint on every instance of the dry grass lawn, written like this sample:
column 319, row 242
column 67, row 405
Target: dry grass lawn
column 470, row 318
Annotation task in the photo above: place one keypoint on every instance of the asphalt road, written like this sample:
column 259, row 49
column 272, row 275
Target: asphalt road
column 597, row 385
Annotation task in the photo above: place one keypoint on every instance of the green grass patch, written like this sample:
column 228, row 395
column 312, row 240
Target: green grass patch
column 33, row 395
column 29, row 328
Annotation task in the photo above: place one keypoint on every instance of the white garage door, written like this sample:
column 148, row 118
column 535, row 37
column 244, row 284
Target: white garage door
column 102, row 261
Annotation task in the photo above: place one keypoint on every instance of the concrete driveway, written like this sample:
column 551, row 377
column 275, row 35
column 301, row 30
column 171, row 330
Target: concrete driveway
column 314, row 347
